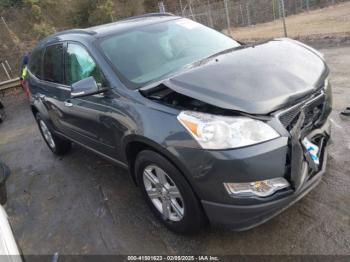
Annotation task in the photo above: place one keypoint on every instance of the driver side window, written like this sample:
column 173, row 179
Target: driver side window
column 80, row 65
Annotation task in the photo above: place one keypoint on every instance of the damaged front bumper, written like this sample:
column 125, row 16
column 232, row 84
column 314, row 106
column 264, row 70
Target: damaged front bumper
column 304, row 176
column 209, row 171
column 307, row 119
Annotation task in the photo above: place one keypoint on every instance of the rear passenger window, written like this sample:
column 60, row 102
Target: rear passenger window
column 53, row 64
column 35, row 63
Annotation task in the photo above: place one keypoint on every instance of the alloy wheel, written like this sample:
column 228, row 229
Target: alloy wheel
column 47, row 134
column 163, row 193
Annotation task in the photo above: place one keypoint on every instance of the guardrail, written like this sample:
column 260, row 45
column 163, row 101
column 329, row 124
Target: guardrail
column 13, row 83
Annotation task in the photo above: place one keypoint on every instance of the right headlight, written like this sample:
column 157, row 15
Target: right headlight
column 224, row 132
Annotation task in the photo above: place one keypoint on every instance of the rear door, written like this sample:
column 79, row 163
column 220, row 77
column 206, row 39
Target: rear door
column 35, row 72
column 47, row 81
column 53, row 83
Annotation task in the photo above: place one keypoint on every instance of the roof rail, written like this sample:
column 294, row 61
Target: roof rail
column 75, row 31
column 146, row 15
column 69, row 31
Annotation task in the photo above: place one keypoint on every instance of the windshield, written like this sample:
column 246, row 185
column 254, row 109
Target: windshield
column 148, row 54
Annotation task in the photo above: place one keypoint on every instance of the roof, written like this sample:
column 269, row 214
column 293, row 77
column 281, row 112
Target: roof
column 111, row 28
column 121, row 25
column 131, row 22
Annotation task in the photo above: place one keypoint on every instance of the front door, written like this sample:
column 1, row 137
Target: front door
column 88, row 120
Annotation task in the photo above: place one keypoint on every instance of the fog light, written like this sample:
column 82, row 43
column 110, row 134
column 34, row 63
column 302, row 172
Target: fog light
column 262, row 188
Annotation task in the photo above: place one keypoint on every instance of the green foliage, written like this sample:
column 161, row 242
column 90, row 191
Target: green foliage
column 36, row 12
column 81, row 11
column 103, row 13
column 45, row 15
column 8, row 3
column 31, row 2
column 42, row 30
column 93, row 12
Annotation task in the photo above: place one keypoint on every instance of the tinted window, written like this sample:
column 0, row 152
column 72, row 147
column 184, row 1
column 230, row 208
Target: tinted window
column 80, row 65
column 53, row 64
column 147, row 54
column 35, row 63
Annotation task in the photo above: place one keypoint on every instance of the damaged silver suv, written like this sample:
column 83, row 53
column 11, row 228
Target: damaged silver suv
column 210, row 129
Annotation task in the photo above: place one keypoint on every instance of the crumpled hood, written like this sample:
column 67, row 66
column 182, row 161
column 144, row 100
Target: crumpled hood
column 256, row 80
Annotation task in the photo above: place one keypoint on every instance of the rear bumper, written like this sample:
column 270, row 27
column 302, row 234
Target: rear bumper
column 244, row 217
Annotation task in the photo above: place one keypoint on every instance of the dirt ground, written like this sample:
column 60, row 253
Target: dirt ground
column 81, row 204
column 333, row 21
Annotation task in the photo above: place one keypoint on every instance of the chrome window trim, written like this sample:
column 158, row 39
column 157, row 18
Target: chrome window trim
column 52, row 84
column 56, row 85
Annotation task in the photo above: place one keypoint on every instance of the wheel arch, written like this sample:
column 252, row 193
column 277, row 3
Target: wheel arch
column 135, row 144
column 38, row 107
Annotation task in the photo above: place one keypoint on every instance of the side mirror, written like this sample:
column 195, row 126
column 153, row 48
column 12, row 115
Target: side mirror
column 86, row 87
column 4, row 174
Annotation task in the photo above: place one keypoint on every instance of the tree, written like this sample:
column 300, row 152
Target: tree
column 103, row 13
column 80, row 12
column 92, row 12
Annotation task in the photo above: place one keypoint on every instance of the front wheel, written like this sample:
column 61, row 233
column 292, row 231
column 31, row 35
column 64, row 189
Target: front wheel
column 57, row 145
column 168, row 193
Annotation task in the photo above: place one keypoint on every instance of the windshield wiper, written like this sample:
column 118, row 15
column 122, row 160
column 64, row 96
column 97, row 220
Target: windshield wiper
column 226, row 51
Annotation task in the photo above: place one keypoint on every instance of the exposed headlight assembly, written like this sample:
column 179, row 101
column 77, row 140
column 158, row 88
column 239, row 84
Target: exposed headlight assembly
column 223, row 132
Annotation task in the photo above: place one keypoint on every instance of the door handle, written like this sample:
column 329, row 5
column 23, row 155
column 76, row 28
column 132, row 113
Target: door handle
column 68, row 103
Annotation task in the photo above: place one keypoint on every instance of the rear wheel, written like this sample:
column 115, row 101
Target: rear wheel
column 168, row 193
column 57, row 145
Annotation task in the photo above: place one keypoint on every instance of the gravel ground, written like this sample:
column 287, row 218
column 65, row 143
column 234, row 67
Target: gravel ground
column 81, row 204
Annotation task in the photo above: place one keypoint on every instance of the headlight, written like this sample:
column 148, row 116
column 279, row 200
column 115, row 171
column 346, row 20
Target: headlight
column 259, row 188
column 222, row 132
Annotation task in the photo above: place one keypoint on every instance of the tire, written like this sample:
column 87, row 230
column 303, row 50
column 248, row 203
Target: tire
column 57, row 145
column 184, row 214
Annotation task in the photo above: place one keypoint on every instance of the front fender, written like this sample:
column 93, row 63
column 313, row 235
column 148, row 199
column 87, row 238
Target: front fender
column 134, row 139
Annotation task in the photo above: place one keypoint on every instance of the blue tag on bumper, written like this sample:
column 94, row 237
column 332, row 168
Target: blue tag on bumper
column 312, row 149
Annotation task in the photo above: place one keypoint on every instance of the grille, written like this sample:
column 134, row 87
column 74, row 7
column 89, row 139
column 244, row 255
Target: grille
column 312, row 110
column 288, row 117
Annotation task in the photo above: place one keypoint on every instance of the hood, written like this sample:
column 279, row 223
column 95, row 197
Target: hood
column 256, row 79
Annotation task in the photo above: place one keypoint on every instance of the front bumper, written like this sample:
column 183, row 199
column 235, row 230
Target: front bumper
column 243, row 217
column 285, row 157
